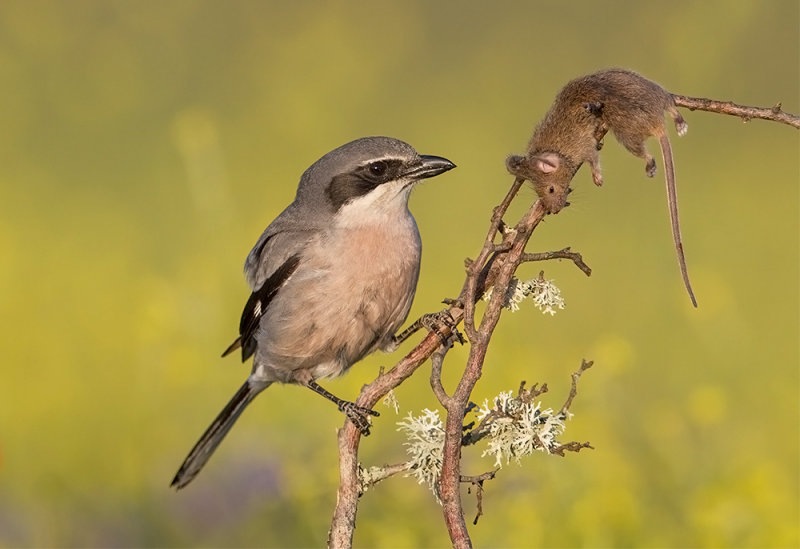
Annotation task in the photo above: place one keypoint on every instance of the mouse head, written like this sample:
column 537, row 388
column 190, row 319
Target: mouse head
column 549, row 174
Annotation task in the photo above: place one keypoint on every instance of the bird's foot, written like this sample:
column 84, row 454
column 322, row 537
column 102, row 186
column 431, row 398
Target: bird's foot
column 358, row 415
column 434, row 322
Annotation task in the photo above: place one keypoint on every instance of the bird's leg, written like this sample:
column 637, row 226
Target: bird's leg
column 357, row 414
column 433, row 322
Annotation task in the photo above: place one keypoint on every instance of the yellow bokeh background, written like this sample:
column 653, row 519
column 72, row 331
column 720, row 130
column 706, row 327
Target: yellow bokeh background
column 144, row 147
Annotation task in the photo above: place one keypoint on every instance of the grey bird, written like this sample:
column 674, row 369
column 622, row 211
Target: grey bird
column 332, row 278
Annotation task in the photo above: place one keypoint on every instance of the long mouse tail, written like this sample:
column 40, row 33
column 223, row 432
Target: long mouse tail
column 199, row 455
column 672, row 200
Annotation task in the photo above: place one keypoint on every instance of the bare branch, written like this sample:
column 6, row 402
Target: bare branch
column 507, row 263
column 527, row 395
column 476, row 267
column 343, row 522
column 775, row 114
column 372, row 476
column 570, row 447
column 585, row 365
column 477, row 481
column 575, row 257
column 436, row 376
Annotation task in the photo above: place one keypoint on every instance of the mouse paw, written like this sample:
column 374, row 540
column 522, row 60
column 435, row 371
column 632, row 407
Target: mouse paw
column 650, row 167
column 594, row 107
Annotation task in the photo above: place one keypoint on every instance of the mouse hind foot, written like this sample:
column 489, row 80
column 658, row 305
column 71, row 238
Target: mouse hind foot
column 680, row 124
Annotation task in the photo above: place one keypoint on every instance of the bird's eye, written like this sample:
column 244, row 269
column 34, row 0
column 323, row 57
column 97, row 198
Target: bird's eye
column 378, row 168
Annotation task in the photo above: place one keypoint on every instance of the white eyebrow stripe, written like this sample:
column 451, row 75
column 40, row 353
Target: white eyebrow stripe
column 379, row 158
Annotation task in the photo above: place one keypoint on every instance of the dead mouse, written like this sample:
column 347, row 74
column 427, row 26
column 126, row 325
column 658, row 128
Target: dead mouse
column 626, row 103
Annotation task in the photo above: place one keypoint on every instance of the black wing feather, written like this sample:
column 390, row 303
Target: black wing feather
column 257, row 304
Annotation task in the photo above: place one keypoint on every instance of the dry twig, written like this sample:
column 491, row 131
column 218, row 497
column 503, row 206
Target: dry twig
column 775, row 114
column 585, row 365
column 478, row 481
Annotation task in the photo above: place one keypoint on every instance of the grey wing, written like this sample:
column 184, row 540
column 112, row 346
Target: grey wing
column 257, row 304
column 283, row 238
column 270, row 264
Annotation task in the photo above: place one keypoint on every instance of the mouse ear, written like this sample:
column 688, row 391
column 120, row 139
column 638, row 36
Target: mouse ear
column 547, row 162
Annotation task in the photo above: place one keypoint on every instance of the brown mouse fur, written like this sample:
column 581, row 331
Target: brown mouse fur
column 622, row 101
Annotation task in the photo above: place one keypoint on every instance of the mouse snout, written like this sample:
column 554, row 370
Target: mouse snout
column 553, row 193
column 554, row 200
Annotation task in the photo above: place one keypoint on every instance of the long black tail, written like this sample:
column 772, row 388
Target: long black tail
column 199, row 455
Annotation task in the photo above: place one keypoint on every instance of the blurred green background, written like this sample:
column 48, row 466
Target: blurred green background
column 144, row 147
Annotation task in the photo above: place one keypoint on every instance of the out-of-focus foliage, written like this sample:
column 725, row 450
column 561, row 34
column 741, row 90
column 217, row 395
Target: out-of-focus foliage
column 145, row 145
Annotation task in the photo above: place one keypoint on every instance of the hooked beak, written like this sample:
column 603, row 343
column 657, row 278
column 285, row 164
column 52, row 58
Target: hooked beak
column 429, row 166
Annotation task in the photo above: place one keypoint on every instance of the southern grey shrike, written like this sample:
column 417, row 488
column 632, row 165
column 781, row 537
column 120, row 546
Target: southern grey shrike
column 333, row 277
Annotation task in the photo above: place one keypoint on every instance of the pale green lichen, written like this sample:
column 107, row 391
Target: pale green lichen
column 425, row 440
column 545, row 295
column 518, row 428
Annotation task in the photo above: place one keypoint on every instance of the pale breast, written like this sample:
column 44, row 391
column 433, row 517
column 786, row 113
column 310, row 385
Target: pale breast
column 350, row 294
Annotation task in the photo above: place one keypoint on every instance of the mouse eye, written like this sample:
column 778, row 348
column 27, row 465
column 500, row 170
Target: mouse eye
column 551, row 190
column 378, row 168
